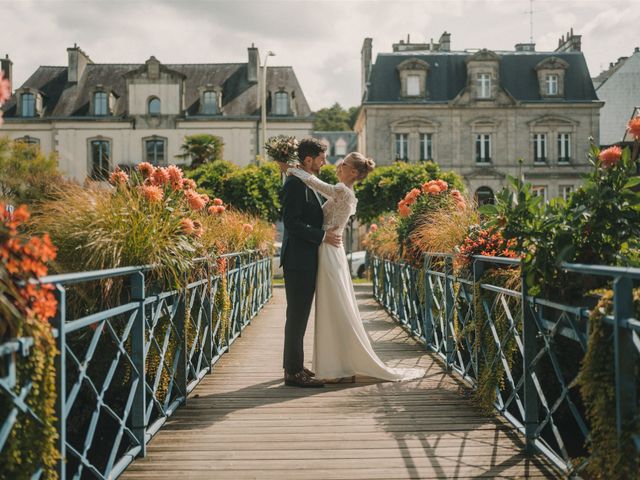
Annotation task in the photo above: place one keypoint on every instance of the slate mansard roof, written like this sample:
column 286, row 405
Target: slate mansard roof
column 62, row 99
column 447, row 76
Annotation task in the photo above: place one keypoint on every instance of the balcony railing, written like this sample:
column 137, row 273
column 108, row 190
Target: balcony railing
column 124, row 369
column 532, row 346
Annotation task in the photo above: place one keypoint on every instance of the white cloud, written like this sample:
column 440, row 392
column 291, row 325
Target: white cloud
column 321, row 39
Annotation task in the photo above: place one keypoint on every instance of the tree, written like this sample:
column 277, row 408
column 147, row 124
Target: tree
column 334, row 118
column 381, row 191
column 201, row 148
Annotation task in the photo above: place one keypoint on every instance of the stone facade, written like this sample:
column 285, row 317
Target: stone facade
column 98, row 116
column 483, row 114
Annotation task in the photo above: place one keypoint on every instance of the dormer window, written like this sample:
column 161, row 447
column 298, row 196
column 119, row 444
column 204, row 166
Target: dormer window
column 209, row 102
column 551, row 83
column 483, row 85
column 154, row 106
column 100, row 103
column 28, row 105
column 413, row 77
column 551, row 72
column 282, row 103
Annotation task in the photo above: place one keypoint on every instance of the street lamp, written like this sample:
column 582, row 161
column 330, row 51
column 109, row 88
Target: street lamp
column 263, row 98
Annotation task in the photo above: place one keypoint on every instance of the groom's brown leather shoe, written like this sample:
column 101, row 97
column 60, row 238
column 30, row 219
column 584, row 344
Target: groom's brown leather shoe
column 301, row 379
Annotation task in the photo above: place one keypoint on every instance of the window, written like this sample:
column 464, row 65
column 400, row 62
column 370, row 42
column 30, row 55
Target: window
column 29, row 140
column 551, row 82
column 341, row 147
column 540, row 147
column 100, row 103
column 154, row 106
column 540, row 191
column 28, row 107
column 402, row 146
column 483, row 82
column 426, row 146
column 413, row 85
column 565, row 191
column 483, row 148
column 282, row 103
column 209, row 103
column 155, row 151
column 100, row 159
column 484, row 196
column 564, row 147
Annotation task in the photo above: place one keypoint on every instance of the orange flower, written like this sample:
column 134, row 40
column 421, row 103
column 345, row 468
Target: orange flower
column 215, row 209
column 373, row 227
column 403, row 209
column 195, row 200
column 442, row 184
column 146, row 169
column 189, row 184
column 187, row 226
column 634, row 127
column 247, row 227
column 5, row 88
column 153, row 193
column 118, row 177
column 175, row 177
column 161, row 176
column 610, row 156
column 217, row 201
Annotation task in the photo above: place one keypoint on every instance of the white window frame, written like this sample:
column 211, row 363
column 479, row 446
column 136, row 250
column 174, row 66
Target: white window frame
column 566, row 190
column 483, row 84
column 402, row 146
column 552, row 81
column 426, row 146
column 413, row 85
column 213, row 97
column 564, row 148
column 32, row 104
column 482, row 148
column 540, row 191
column 540, row 148
column 281, row 108
column 341, row 147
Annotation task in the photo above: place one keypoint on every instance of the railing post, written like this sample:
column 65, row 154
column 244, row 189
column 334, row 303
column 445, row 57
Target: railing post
column 529, row 334
column 61, row 378
column 478, row 271
column 625, row 354
column 138, row 408
column 181, row 327
column 449, row 310
column 428, row 303
column 208, row 316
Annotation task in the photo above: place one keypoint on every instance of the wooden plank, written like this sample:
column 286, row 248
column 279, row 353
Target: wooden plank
column 242, row 422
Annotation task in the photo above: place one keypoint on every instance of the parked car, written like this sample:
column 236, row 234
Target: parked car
column 275, row 261
column 358, row 268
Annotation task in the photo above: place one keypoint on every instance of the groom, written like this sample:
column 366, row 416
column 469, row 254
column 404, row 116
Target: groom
column 303, row 234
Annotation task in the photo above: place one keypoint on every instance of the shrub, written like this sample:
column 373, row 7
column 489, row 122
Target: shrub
column 211, row 177
column 255, row 190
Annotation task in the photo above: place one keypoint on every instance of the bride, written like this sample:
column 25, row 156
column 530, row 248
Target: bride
column 342, row 347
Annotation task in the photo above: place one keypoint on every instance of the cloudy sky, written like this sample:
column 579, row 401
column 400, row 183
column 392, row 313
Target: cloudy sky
column 321, row 39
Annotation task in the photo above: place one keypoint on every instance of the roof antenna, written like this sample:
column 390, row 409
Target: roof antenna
column 530, row 13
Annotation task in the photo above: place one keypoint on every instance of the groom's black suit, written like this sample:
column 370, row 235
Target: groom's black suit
column 303, row 234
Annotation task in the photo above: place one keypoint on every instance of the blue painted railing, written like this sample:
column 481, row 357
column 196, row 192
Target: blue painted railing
column 531, row 341
column 124, row 369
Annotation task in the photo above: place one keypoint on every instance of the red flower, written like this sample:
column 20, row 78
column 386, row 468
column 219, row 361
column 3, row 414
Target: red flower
column 610, row 156
column 373, row 228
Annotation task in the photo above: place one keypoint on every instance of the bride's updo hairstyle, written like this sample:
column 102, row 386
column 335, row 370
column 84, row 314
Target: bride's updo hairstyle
column 362, row 164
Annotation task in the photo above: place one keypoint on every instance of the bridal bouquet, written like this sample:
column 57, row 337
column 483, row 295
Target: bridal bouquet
column 283, row 149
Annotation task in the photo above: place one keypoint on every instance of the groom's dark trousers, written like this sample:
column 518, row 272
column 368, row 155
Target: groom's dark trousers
column 303, row 234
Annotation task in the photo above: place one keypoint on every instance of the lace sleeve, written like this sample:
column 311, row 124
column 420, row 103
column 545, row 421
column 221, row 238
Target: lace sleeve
column 314, row 182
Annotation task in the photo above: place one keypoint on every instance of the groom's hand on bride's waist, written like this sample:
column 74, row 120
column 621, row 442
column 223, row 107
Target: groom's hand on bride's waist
column 332, row 238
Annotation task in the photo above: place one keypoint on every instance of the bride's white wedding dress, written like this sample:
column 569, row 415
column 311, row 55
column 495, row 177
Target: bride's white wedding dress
column 341, row 345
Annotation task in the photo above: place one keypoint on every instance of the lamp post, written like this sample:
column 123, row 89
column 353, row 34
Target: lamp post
column 263, row 98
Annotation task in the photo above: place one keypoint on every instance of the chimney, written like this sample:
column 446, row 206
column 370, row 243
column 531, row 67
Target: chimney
column 253, row 65
column 78, row 61
column 366, row 62
column 445, row 42
column 572, row 43
column 6, row 66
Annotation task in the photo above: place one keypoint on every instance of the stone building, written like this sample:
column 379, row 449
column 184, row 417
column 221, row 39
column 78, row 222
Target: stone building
column 338, row 143
column 96, row 116
column 619, row 88
column 478, row 112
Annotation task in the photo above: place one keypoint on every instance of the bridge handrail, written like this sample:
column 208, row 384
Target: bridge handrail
column 133, row 362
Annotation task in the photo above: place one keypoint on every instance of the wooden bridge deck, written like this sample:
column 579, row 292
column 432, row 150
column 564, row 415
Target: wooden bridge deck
column 242, row 422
